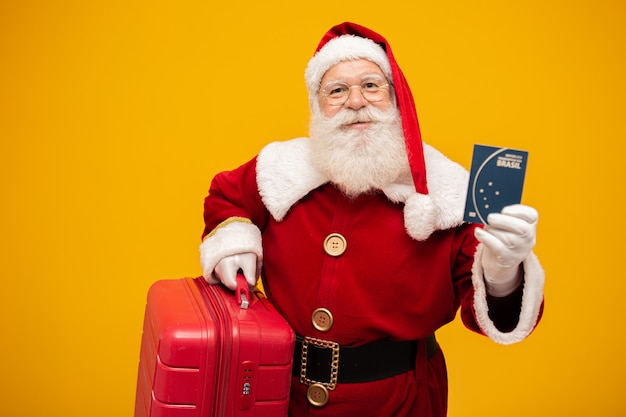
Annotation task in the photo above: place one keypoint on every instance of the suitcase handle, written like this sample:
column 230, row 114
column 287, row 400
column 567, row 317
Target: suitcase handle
column 243, row 292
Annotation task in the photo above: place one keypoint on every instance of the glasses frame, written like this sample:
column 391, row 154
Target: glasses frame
column 350, row 87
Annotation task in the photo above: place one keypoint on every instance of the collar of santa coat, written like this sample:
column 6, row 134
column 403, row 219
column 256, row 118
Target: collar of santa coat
column 285, row 174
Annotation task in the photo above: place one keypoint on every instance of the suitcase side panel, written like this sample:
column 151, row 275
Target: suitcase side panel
column 174, row 353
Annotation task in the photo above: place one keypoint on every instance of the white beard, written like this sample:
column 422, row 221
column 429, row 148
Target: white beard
column 360, row 161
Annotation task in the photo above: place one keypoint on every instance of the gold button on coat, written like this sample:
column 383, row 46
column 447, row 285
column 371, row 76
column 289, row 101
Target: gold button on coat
column 317, row 394
column 322, row 319
column 335, row 244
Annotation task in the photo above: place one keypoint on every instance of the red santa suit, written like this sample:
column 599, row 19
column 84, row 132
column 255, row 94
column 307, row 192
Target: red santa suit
column 390, row 283
column 393, row 265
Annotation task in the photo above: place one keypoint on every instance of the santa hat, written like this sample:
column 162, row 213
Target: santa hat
column 349, row 41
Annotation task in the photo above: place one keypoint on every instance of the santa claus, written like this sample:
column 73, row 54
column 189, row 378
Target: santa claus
column 357, row 232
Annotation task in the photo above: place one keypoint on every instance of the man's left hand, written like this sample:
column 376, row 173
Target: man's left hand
column 508, row 238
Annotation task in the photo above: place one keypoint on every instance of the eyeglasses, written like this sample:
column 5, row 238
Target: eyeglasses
column 338, row 92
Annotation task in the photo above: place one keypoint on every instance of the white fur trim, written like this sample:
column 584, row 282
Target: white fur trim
column 344, row 48
column 285, row 175
column 232, row 239
column 447, row 186
column 531, row 300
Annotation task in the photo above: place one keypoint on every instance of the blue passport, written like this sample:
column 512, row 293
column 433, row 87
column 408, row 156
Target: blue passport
column 496, row 180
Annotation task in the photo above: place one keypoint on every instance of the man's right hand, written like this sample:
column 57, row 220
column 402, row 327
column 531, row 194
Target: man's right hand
column 227, row 268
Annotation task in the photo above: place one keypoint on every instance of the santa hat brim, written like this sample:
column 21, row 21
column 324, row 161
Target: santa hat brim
column 344, row 48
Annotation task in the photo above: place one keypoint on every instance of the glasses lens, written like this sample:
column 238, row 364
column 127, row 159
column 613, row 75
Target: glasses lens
column 336, row 92
column 373, row 90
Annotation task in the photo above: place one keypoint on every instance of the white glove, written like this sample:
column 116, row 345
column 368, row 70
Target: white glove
column 508, row 238
column 227, row 268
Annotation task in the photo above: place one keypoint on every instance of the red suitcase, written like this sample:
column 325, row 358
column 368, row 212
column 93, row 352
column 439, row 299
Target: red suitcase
column 207, row 351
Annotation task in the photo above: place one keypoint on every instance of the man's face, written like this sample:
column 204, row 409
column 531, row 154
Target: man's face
column 353, row 74
column 358, row 143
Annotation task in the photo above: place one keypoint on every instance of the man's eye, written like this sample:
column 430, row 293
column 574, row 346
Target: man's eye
column 338, row 90
column 370, row 85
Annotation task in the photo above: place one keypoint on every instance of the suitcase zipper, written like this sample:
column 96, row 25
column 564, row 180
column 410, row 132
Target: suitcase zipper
column 213, row 296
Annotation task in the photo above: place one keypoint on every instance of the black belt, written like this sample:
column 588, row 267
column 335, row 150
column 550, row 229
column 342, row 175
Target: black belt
column 326, row 362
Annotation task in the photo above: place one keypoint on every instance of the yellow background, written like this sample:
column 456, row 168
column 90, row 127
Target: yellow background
column 115, row 115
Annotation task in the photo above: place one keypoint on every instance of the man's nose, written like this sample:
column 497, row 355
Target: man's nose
column 355, row 98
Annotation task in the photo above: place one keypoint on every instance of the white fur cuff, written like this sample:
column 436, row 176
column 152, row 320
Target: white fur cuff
column 232, row 239
column 531, row 300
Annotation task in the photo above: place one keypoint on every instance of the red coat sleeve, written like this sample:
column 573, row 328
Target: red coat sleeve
column 234, row 194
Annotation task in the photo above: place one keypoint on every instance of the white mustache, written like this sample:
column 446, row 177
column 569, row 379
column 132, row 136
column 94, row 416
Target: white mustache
column 364, row 115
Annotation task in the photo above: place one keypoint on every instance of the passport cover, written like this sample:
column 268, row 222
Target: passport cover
column 496, row 180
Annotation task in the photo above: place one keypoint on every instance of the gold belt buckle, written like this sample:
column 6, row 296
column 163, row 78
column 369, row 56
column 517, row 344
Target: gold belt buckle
column 334, row 363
